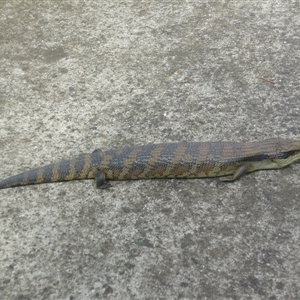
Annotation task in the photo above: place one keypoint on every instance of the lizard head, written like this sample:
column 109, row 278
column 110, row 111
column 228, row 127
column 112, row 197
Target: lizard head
column 287, row 152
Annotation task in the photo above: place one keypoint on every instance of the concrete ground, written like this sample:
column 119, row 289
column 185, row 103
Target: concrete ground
column 79, row 75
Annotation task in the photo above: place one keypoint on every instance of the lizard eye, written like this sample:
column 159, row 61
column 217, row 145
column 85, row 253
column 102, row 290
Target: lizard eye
column 284, row 155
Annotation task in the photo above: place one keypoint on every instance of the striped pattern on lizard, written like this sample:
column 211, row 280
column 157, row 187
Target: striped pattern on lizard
column 230, row 160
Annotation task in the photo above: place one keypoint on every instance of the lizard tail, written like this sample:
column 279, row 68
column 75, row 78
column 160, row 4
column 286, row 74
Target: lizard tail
column 77, row 168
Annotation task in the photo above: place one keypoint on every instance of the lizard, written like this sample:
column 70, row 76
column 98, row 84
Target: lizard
column 227, row 160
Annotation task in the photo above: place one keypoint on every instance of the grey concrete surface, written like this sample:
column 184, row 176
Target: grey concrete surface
column 79, row 75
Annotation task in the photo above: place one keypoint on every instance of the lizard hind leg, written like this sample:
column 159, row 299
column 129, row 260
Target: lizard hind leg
column 100, row 180
column 98, row 150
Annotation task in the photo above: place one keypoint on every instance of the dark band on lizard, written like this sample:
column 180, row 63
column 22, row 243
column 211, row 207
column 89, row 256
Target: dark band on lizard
column 170, row 160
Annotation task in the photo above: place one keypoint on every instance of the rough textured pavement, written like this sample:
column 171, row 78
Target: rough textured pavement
column 79, row 75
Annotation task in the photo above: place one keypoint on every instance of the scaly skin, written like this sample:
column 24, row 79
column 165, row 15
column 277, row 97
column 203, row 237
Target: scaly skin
column 171, row 160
